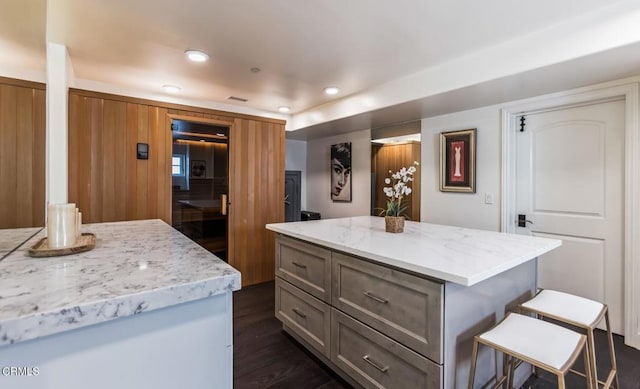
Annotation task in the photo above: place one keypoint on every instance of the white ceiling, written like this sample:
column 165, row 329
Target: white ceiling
column 366, row 47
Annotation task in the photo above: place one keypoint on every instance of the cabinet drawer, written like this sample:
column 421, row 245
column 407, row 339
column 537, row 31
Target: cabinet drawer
column 404, row 307
column 305, row 266
column 309, row 317
column 376, row 361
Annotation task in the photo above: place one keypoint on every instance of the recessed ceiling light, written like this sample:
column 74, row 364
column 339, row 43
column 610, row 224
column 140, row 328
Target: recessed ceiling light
column 284, row 109
column 331, row 90
column 171, row 88
column 196, row 56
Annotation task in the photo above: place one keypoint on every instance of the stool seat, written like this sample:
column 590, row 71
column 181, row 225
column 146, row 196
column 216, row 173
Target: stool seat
column 529, row 338
column 584, row 314
column 522, row 338
column 568, row 307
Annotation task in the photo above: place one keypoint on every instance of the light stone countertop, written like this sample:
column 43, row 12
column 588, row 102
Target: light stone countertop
column 136, row 266
column 13, row 238
column 460, row 255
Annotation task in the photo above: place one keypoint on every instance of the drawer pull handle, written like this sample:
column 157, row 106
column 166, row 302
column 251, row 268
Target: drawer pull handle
column 372, row 363
column 299, row 265
column 299, row 312
column 374, row 297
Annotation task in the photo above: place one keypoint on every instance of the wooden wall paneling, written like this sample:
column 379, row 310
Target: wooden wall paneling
column 124, row 188
column 131, row 162
column 24, row 158
column 120, row 162
column 152, row 165
column 114, row 175
column 214, row 117
column 260, row 173
column 8, row 166
column 22, row 154
column 417, row 185
column 84, row 141
column 256, row 188
column 164, row 167
column 73, row 150
column 142, row 166
column 276, row 214
column 238, row 184
column 160, row 163
column 39, row 154
column 96, row 162
column 190, row 110
column 168, row 147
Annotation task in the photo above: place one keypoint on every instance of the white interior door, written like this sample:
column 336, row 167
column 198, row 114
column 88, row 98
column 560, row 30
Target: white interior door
column 570, row 185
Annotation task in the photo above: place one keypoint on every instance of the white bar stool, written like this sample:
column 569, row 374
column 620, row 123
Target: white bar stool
column 540, row 343
column 578, row 312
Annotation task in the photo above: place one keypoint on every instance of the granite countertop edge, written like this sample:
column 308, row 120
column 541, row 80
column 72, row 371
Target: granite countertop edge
column 74, row 316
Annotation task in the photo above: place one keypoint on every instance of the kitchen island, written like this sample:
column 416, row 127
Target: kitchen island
column 147, row 308
column 400, row 310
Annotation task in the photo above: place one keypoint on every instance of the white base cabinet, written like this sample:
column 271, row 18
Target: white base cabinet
column 187, row 345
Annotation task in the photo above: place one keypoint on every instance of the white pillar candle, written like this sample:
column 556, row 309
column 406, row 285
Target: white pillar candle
column 61, row 225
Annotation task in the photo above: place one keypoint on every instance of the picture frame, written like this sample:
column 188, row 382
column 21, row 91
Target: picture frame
column 198, row 168
column 458, row 161
column 340, row 172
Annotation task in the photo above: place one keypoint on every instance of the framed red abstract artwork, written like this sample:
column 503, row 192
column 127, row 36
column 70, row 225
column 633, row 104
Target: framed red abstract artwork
column 458, row 161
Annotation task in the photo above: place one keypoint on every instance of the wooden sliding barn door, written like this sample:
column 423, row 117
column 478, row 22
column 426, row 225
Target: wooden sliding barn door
column 256, row 196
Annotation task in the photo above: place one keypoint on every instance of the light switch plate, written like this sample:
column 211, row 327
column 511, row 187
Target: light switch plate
column 488, row 198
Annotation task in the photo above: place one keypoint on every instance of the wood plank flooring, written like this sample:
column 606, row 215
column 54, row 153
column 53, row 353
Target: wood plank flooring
column 265, row 357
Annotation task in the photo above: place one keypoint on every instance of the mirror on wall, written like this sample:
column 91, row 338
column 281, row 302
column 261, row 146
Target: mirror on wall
column 392, row 148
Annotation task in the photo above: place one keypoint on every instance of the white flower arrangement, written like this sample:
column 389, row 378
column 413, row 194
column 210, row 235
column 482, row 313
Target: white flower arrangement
column 400, row 187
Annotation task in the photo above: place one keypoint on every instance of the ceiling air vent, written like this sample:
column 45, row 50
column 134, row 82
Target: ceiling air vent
column 237, row 99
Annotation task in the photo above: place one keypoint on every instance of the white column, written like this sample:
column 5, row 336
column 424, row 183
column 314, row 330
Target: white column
column 58, row 70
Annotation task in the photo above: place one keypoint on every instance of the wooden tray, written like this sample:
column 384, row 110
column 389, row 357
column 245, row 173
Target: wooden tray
column 85, row 242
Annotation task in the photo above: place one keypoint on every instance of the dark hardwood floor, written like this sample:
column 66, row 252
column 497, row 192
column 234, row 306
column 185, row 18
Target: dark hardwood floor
column 265, row 357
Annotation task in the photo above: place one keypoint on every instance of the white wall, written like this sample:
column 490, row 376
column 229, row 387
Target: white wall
column 319, row 177
column 296, row 159
column 463, row 209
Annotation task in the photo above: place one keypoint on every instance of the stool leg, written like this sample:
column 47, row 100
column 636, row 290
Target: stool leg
column 612, row 352
column 474, row 358
column 561, row 382
column 587, row 369
column 591, row 349
column 505, row 370
column 512, row 371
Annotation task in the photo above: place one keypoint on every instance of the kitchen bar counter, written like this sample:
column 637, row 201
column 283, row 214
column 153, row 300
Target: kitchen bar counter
column 460, row 255
column 144, row 286
column 400, row 310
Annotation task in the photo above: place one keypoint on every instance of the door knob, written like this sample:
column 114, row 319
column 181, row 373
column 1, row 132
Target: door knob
column 522, row 220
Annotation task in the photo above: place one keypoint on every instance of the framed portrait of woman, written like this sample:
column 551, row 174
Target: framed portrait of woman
column 458, row 161
column 341, row 172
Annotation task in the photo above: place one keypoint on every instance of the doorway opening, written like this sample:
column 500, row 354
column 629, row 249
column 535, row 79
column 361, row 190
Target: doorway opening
column 391, row 154
column 200, row 183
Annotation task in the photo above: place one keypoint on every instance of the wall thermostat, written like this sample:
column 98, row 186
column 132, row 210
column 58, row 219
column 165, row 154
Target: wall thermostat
column 143, row 151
